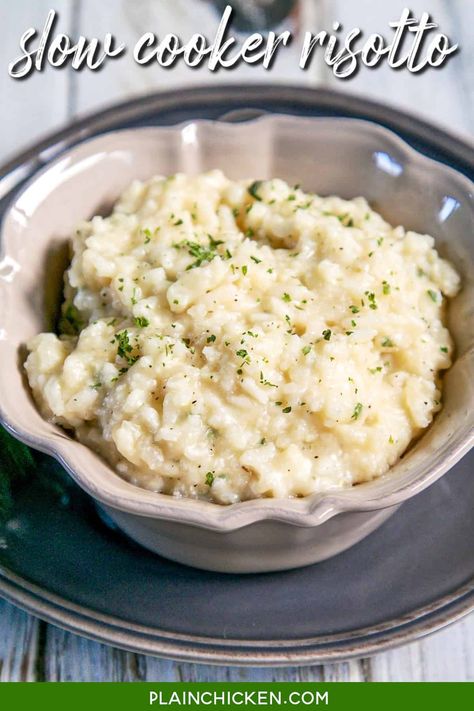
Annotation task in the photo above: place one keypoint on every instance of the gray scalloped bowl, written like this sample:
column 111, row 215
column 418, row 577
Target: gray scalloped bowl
column 346, row 157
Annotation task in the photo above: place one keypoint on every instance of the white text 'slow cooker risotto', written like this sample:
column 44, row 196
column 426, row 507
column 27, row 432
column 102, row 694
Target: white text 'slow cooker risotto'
column 232, row 340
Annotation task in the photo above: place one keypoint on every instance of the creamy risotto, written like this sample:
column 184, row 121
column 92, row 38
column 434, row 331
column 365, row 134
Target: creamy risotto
column 233, row 340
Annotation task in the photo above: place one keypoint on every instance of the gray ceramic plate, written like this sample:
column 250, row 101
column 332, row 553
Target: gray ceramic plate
column 411, row 577
column 60, row 561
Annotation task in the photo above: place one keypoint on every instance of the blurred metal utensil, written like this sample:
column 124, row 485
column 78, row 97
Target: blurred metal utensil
column 258, row 15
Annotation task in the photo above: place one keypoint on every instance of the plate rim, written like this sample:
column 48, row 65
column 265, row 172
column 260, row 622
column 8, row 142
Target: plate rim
column 360, row 643
column 460, row 146
column 36, row 600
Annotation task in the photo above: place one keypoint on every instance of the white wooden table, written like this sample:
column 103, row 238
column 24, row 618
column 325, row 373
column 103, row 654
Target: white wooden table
column 31, row 649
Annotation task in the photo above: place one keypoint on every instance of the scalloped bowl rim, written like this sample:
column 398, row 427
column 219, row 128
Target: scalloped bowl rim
column 308, row 511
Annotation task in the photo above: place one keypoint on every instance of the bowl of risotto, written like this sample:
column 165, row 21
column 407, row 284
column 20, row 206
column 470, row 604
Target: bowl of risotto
column 249, row 343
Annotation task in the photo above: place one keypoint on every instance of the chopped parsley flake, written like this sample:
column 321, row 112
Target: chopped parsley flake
column 210, row 478
column 443, row 349
column 386, row 287
column 286, row 297
column 433, row 295
column 387, row 343
column 244, row 270
column 125, row 348
column 266, row 382
column 306, row 350
column 371, row 297
column 242, row 353
column 354, row 309
column 327, row 334
column 253, row 189
column 286, row 410
column 71, row 321
column 211, row 339
column 199, row 251
column 141, row 321
column 257, row 261
column 357, row 411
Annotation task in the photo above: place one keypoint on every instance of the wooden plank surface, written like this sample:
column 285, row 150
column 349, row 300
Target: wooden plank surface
column 462, row 21
column 32, row 650
column 39, row 103
column 438, row 95
column 445, row 656
column 128, row 20
column 19, row 644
